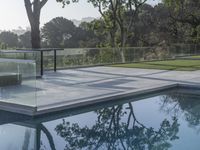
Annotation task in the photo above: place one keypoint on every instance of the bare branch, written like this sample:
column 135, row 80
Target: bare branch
column 100, row 10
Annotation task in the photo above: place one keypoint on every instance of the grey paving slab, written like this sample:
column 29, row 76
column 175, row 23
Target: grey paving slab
column 88, row 85
column 24, row 94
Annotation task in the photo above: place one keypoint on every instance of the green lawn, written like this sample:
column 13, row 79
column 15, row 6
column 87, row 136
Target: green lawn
column 197, row 56
column 180, row 65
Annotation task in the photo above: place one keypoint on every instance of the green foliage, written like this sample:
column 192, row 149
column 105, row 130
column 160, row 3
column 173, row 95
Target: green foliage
column 67, row 1
column 198, row 33
column 12, row 40
column 60, row 32
column 98, row 27
column 56, row 32
column 120, row 25
column 174, row 3
column 3, row 46
column 118, row 17
column 186, row 12
column 9, row 39
column 25, row 40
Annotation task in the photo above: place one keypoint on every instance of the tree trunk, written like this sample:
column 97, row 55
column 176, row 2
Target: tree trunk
column 33, row 10
column 122, row 55
column 113, row 45
column 35, row 34
column 195, row 34
column 122, row 44
column 112, row 39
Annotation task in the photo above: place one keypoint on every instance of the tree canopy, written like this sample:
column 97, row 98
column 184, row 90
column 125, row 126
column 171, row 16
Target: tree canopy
column 122, row 24
column 9, row 39
column 57, row 31
column 186, row 12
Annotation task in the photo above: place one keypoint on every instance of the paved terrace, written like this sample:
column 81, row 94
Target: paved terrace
column 75, row 87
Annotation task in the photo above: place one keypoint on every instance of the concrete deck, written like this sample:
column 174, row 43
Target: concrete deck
column 83, row 86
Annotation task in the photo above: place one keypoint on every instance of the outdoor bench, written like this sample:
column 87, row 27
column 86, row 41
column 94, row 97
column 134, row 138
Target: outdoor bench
column 7, row 79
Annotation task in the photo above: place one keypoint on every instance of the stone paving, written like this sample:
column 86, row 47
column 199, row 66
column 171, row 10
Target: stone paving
column 74, row 86
column 82, row 86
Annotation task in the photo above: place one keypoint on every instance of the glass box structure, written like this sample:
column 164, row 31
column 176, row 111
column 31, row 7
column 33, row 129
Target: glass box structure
column 18, row 81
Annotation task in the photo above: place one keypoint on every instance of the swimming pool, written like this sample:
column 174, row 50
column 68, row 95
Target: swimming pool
column 158, row 121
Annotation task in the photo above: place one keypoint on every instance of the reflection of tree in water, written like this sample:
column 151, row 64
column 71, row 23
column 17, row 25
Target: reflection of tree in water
column 27, row 137
column 39, row 145
column 178, row 104
column 118, row 128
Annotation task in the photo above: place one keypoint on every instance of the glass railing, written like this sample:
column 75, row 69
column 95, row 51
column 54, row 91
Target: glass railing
column 79, row 57
column 18, row 69
column 28, row 55
column 18, row 81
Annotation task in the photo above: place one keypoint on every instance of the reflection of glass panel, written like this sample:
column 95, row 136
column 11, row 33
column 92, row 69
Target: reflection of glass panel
column 15, row 137
column 18, row 81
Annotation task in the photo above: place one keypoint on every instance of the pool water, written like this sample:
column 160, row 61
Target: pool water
column 161, row 121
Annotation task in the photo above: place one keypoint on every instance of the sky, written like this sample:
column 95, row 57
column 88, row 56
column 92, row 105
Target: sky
column 13, row 15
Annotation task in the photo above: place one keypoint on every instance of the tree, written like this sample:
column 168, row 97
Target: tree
column 79, row 38
column 119, row 13
column 94, row 34
column 182, row 105
column 144, row 30
column 9, row 39
column 33, row 9
column 108, row 11
column 25, row 40
column 186, row 12
column 61, row 32
column 114, row 14
column 58, row 31
column 152, row 26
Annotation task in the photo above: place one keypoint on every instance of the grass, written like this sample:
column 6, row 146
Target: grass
column 196, row 56
column 179, row 65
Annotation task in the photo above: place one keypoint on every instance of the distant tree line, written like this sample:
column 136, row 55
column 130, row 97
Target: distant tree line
column 11, row 40
column 146, row 25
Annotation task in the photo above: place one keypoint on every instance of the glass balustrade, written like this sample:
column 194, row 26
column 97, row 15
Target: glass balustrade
column 18, row 81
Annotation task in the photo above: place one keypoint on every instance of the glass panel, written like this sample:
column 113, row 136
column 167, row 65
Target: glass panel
column 79, row 57
column 18, row 81
column 48, row 60
column 25, row 55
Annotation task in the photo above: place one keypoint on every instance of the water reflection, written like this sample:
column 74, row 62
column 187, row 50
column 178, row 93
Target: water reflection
column 156, row 123
column 118, row 128
column 186, row 105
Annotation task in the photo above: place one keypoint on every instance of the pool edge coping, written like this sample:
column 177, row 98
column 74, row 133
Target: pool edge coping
column 34, row 111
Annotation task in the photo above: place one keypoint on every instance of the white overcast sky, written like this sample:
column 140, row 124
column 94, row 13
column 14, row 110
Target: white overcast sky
column 13, row 14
